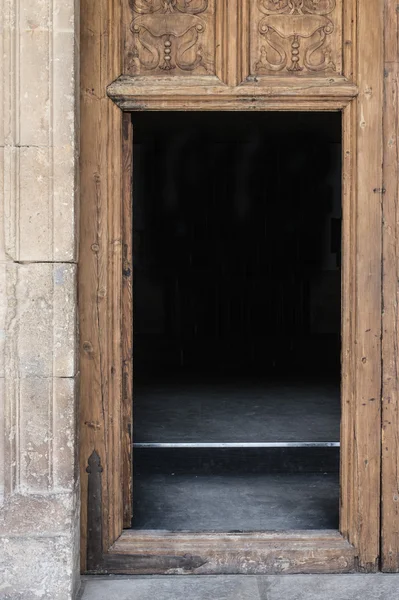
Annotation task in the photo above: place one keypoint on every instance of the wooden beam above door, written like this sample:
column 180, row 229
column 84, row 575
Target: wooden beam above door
column 199, row 93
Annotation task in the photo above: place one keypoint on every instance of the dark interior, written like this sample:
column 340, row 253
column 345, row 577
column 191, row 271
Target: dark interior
column 237, row 255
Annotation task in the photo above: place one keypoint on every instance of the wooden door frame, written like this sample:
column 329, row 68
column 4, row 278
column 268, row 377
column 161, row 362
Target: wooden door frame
column 105, row 303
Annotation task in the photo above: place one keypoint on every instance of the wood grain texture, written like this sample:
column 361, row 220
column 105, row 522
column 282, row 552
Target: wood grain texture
column 297, row 38
column 230, row 553
column 100, row 263
column 136, row 93
column 127, row 320
column 226, row 33
column 364, row 497
column 233, row 39
column 170, row 37
column 390, row 340
column 348, row 312
column 349, row 40
column 105, row 293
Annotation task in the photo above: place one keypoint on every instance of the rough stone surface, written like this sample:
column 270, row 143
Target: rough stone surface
column 41, row 322
column 172, row 588
column 329, row 587
column 41, row 568
column 39, row 130
column 238, row 587
column 39, row 506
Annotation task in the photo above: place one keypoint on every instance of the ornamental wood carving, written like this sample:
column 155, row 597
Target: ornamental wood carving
column 171, row 37
column 296, row 37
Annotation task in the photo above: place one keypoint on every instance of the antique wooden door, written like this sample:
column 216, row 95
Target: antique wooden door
column 241, row 55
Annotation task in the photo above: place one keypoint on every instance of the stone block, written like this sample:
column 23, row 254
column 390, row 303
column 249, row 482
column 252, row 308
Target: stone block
column 2, row 449
column 41, row 328
column 34, row 85
column 34, row 434
column 39, row 370
column 2, row 72
column 10, row 202
column 64, row 15
column 329, row 587
column 64, row 209
column 35, row 205
column 34, row 15
column 39, row 514
column 64, row 319
column 40, row 130
column 41, row 435
column 39, row 520
column 39, row 201
column 37, row 568
column 222, row 587
column 3, row 314
column 65, row 464
column 238, row 587
column 3, row 255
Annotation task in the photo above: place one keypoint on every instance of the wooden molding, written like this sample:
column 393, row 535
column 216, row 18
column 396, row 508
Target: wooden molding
column 136, row 93
column 166, row 37
column 145, row 552
column 299, row 39
column 100, row 265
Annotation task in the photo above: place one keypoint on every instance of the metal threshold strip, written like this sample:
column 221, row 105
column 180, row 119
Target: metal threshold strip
column 236, row 445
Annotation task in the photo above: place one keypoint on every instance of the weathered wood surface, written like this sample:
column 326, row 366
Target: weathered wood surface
column 364, row 496
column 348, row 312
column 137, row 93
column 246, row 553
column 105, row 290
column 100, row 263
column 127, row 320
column 390, row 340
column 171, row 37
column 295, row 39
column 233, row 39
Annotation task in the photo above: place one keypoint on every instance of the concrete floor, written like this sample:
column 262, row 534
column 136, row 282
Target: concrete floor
column 236, row 587
column 234, row 410
column 247, row 502
column 237, row 411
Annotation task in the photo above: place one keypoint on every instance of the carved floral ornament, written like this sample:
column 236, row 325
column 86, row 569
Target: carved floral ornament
column 296, row 34
column 167, row 34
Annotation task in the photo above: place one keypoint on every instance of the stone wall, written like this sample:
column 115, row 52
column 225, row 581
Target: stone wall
column 39, row 501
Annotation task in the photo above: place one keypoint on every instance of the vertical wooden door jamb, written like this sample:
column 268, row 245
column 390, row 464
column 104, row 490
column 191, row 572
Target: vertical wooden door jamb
column 127, row 320
column 100, row 269
column 365, row 497
column 390, row 340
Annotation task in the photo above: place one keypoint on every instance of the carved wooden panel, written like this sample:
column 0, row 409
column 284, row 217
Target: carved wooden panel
column 296, row 37
column 170, row 37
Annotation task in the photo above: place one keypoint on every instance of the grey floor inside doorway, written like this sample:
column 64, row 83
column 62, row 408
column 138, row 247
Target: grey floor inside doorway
column 237, row 411
column 247, row 502
column 236, row 587
column 246, row 489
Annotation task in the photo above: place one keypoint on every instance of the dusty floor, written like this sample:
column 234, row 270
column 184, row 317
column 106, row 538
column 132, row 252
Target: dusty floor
column 250, row 502
column 242, row 488
column 236, row 587
column 279, row 411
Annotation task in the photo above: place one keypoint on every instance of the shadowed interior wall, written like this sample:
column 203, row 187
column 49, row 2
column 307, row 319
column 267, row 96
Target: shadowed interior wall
column 237, row 242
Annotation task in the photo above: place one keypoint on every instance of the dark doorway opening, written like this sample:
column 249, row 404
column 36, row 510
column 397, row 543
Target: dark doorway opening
column 237, row 283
